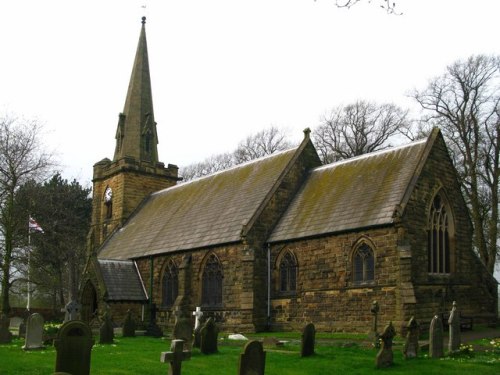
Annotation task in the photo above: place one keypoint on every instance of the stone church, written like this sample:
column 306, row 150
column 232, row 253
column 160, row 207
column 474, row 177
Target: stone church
column 281, row 240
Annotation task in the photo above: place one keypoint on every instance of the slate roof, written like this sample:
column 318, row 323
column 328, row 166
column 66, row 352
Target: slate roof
column 122, row 280
column 208, row 211
column 356, row 193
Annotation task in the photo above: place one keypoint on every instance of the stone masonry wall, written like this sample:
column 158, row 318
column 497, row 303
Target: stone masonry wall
column 468, row 283
column 325, row 292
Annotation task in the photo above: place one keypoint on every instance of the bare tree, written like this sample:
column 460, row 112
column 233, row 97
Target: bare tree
column 208, row 166
column 387, row 5
column 357, row 129
column 464, row 102
column 21, row 159
column 265, row 142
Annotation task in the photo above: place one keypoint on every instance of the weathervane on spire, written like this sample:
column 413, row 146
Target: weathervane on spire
column 143, row 6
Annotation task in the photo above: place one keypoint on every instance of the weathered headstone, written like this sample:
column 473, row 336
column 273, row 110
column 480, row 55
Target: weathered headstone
column 308, row 340
column 253, row 359
column 436, row 338
column 373, row 335
column 410, row 348
column 129, row 325
column 198, row 314
column 34, row 332
column 72, row 311
column 5, row 335
column 385, row 356
column 74, row 347
column 183, row 328
column 106, row 331
column 454, row 330
column 175, row 356
column 209, row 335
column 153, row 329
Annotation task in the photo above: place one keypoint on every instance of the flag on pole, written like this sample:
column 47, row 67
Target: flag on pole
column 34, row 226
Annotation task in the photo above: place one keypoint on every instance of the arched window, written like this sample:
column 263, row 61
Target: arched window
column 438, row 237
column 170, row 284
column 212, row 282
column 288, row 273
column 363, row 261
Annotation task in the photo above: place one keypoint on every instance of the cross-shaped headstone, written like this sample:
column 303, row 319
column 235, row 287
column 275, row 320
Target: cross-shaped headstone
column 197, row 314
column 175, row 356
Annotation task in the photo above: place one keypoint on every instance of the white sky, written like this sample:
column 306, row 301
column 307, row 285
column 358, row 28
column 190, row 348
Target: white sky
column 221, row 70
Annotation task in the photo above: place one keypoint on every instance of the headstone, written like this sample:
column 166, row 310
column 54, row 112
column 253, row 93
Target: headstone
column 72, row 311
column 410, row 348
column 385, row 357
column 34, row 332
column 374, row 336
column 454, row 330
column 253, row 359
column 153, row 329
column 197, row 314
column 209, row 336
column 183, row 328
column 5, row 335
column 237, row 336
column 175, row 356
column 197, row 327
column 106, row 331
column 308, row 340
column 129, row 325
column 74, row 347
column 436, row 338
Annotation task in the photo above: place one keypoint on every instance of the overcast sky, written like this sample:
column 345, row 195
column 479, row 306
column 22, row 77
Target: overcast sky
column 221, row 70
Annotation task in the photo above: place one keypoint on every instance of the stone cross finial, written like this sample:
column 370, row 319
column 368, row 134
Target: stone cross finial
column 197, row 314
column 175, row 356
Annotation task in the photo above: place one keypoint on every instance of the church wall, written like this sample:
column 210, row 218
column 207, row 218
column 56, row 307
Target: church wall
column 468, row 283
column 236, row 311
column 326, row 294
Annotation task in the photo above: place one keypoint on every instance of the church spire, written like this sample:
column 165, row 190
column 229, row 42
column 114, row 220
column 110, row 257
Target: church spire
column 136, row 135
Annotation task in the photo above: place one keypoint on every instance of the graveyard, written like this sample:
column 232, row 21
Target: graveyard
column 280, row 353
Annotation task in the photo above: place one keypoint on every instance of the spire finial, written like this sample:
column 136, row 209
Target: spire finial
column 143, row 20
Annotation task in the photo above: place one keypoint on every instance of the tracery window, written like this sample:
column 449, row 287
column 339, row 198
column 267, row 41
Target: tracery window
column 212, row 282
column 288, row 273
column 170, row 284
column 108, row 202
column 363, row 264
column 438, row 237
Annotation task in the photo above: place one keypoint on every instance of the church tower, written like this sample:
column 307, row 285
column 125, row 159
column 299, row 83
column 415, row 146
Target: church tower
column 120, row 185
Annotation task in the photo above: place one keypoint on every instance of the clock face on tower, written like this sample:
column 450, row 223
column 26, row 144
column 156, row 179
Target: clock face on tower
column 108, row 194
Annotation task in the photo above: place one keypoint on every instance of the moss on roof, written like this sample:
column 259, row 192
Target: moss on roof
column 351, row 194
column 204, row 212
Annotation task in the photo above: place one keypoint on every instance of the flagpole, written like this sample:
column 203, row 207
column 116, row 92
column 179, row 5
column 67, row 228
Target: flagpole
column 28, row 304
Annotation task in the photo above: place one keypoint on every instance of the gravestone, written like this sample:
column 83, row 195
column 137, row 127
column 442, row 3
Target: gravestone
column 129, row 325
column 175, row 356
column 106, row 331
column 15, row 324
column 385, row 357
column 253, row 359
column 34, row 332
column 74, row 347
column 308, row 340
column 454, row 329
column 410, row 348
column 72, row 311
column 5, row 335
column 153, row 329
column 373, row 335
column 197, row 327
column 436, row 338
column 209, row 334
column 183, row 328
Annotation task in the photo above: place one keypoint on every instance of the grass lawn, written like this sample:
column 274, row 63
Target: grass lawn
column 141, row 355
